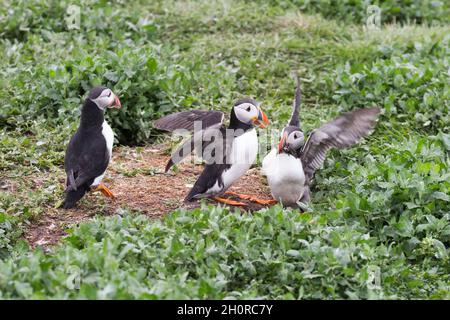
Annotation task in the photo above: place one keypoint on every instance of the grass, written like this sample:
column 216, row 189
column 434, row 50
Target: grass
column 378, row 225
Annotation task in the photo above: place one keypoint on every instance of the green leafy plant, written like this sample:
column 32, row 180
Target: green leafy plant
column 378, row 225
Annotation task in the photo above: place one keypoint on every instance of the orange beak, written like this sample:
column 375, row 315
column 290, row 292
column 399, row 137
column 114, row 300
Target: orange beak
column 261, row 121
column 116, row 103
column 282, row 142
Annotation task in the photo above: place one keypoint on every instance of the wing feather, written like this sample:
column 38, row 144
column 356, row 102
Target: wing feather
column 295, row 117
column 186, row 119
column 85, row 161
column 342, row 132
column 212, row 139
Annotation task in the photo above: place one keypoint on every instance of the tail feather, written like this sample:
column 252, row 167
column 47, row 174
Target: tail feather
column 195, row 193
column 190, row 196
column 169, row 164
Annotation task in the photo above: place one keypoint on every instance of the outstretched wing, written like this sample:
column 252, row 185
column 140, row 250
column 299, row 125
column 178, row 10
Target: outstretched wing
column 186, row 120
column 342, row 132
column 295, row 117
column 203, row 136
column 211, row 144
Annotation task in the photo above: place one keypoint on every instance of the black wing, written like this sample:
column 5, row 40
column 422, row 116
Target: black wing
column 186, row 119
column 211, row 144
column 207, row 179
column 295, row 117
column 211, row 122
column 199, row 141
column 86, row 158
column 342, row 132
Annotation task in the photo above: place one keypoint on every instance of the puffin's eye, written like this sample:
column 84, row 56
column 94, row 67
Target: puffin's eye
column 109, row 95
column 248, row 109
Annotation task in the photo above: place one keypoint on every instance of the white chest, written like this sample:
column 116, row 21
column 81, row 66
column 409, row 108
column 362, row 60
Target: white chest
column 285, row 177
column 245, row 148
column 109, row 136
column 242, row 155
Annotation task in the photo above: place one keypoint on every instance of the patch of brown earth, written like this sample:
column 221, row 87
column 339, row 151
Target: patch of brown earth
column 137, row 179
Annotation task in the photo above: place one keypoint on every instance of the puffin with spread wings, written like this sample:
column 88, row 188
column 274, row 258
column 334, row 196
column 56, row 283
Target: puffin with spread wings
column 228, row 152
column 290, row 168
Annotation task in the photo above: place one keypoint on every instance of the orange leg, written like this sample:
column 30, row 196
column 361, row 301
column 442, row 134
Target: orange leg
column 239, row 195
column 264, row 202
column 230, row 202
column 251, row 198
column 104, row 189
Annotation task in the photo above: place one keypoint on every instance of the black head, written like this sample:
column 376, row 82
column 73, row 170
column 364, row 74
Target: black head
column 246, row 114
column 95, row 92
column 99, row 98
column 292, row 140
column 103, row 98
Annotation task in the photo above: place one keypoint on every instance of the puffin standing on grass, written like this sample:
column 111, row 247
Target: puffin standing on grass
column 228, row 151
column 290, row 168
column 90, row 149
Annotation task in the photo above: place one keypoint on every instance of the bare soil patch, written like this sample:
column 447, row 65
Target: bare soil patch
column 137, row 179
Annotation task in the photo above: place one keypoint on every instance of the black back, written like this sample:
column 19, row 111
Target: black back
column 87, row 156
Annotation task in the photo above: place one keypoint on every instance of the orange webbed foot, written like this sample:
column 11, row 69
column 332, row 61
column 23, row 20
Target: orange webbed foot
column 104, row 190
column 252, row 198
column 229, row 202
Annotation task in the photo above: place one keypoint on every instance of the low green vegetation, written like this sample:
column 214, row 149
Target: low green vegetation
column 379, row 222
column 212, row 253
column 410, row 11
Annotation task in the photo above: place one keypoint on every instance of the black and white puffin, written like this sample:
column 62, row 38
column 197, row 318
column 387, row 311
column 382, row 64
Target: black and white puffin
column 290, row 168
column 90, row 149
column 228, row 151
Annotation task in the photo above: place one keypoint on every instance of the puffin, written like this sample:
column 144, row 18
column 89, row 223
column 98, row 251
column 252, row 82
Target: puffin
column 228, row 151
column 90, row 148
column 290, row 167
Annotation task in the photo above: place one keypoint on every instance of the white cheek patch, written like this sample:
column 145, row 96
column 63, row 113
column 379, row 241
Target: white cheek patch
column 295, row 143
column 243, row 115
column 103, row 101
column 291, row 139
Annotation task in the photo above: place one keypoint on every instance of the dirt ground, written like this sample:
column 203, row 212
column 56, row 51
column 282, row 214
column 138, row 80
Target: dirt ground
column 137, row 179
